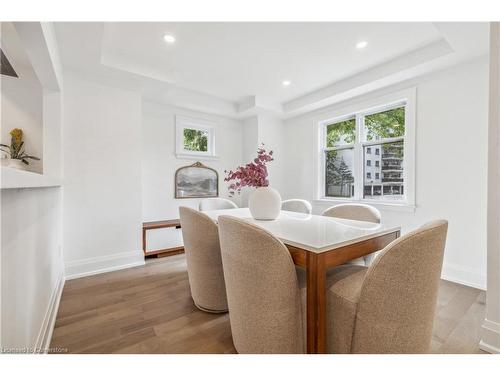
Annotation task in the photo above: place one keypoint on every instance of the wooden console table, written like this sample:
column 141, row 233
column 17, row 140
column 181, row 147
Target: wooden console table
column 174, row 223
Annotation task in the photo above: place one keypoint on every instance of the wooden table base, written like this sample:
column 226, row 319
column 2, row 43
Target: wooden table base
column 317, row 265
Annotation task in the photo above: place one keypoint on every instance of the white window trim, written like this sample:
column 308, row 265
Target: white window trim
column 184, row 122
column 359, row 110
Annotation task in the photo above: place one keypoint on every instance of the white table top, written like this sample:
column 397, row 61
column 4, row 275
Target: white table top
column 311, row 232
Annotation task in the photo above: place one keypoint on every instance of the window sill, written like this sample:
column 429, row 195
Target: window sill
column 194, row 156
column 384, row 206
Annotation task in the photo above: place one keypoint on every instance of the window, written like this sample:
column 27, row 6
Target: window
column 385, row 130
column 339, row 160
column 195, row 138
column 347, row 169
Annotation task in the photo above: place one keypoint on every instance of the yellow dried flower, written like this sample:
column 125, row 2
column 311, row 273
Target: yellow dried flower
column 17, row 135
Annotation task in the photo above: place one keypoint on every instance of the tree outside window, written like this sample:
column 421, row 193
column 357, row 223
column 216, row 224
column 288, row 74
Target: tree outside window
column 195, row 140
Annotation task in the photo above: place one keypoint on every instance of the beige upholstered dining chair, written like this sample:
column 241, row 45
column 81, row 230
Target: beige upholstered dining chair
column 297, row 205
column 263, row 293
column 204, row 264
column 388, row 307
column 216, row 204
column 355, row 211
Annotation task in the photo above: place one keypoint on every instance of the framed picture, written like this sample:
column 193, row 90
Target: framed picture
column 196, row 181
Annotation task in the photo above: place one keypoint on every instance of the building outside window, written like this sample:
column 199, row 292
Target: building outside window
column 369, row 150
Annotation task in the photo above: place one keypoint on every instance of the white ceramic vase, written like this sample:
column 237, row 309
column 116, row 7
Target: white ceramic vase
column 14, row 163
column 264, row 203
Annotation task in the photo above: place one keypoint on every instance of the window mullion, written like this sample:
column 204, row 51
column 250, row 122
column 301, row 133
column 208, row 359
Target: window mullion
column 358, row 158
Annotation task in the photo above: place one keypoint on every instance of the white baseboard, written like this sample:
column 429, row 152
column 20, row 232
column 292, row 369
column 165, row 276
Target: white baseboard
column 102, row 264
column 49, row 320
column 490, row 334
column 464, row 275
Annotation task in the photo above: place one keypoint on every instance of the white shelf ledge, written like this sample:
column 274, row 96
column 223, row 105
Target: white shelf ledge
column 16, row 178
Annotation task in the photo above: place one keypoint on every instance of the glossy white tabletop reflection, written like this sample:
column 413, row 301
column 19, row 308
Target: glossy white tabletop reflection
column 311, row 232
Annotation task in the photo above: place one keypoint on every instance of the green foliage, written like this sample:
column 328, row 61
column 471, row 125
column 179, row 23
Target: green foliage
column 386, row 124
column 16, row 151
column 344, row 130
column 195, row 140
column 395, row 148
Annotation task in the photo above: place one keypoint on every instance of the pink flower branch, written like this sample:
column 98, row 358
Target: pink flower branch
column 253, row 174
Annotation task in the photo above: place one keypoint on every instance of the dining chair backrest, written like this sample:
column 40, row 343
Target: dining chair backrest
column 262, row 289
column 216, row 204
column 204, row 264
column 297, row 205
column 354, row 211
column 398, row 297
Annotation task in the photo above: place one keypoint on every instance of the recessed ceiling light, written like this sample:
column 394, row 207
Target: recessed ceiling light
column 169, row 38
column 361, row 44
column 286, row 83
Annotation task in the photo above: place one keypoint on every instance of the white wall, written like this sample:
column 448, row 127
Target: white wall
column 102, row 205
column 451, row 134
column 159, row 162
column 32, row 267
column 268, row 129
column 271, row 133
column 22, row 107
column 490, row 335
column 250, row 138
column 32, row 273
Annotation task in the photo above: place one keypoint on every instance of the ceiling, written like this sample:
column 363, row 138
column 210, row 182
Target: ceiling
column 237, row 63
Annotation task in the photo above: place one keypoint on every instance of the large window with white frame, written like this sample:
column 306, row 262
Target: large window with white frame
column 364, row 155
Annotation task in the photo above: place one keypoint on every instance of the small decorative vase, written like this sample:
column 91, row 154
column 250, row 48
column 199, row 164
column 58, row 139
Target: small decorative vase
column 264, row 203
column 16, row 164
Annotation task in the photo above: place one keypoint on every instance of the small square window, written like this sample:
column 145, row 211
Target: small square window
column 368, row 150
column 369, row 175
column 377, row 151
column 377, row 176
column 368, row 163
column 195, row 138
column 377, row 163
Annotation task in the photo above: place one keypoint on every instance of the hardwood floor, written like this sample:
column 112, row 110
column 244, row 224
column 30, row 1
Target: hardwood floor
column 149, row 310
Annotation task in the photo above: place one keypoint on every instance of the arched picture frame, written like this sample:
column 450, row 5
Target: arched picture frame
column 196, row 181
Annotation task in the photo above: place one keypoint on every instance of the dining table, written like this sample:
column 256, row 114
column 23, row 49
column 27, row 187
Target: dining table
column 318, row 243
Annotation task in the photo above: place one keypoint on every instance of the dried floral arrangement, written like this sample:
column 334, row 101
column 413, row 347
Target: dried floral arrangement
column 253, row 174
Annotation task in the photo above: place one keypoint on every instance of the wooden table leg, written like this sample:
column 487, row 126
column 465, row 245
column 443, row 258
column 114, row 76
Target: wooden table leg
column 316, row 303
